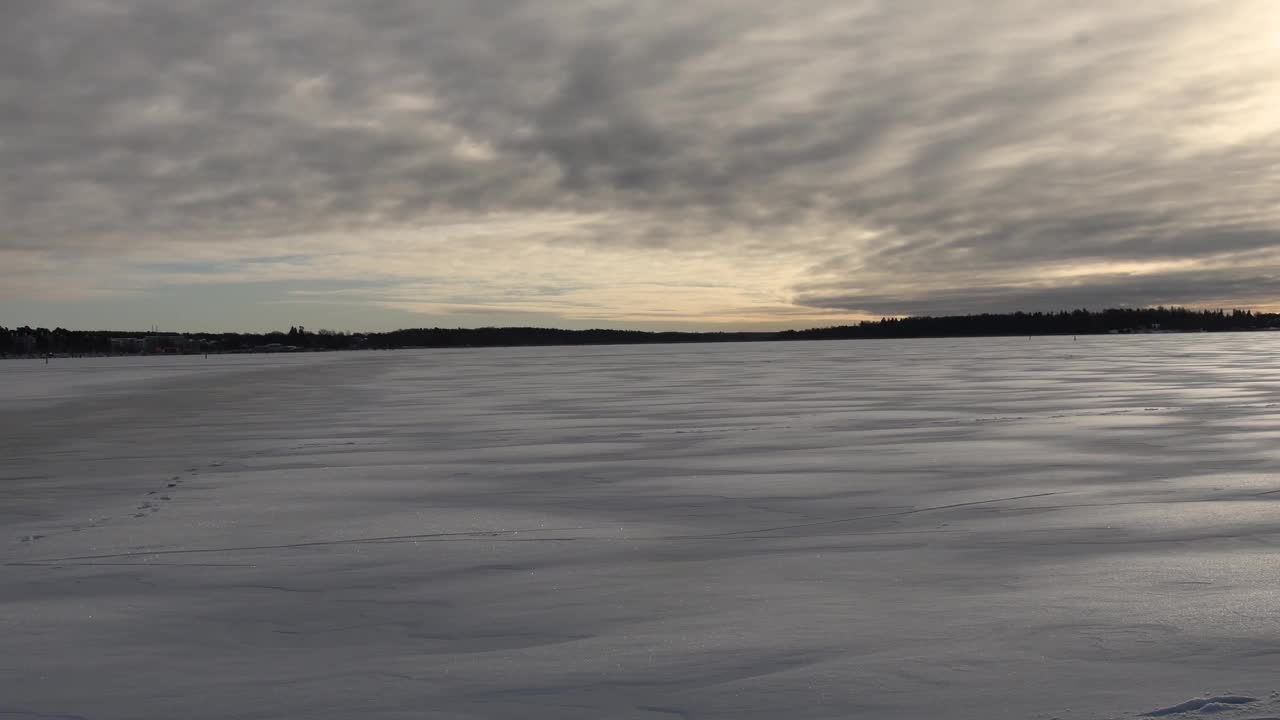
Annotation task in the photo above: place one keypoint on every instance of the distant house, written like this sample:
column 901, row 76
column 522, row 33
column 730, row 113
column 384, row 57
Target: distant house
column 127, row 345
column 170, row 344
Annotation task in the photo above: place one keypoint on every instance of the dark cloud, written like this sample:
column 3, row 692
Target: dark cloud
column 879, row 140
column 1173, row 288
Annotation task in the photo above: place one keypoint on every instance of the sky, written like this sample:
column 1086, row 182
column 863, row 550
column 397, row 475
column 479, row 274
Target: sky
column 701, row 164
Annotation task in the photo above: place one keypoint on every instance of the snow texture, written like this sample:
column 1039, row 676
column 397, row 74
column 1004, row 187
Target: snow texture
column 972, row 529
column 1208, row 705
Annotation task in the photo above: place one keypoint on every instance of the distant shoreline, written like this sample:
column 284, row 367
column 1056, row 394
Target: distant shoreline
column 27, row 342
column 308, row 351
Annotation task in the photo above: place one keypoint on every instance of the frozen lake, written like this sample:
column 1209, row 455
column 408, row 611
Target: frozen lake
column 973, row 529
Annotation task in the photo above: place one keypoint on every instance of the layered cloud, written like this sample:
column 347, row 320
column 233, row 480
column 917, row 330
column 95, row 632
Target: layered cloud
column 717, row 161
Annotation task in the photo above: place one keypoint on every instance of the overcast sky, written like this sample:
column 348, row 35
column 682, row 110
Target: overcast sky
column 239, row 164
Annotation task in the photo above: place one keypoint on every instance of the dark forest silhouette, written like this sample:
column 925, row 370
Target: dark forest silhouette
column 28, row 341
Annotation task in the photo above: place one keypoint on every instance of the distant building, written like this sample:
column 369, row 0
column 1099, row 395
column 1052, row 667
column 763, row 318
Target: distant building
column 170, row 344
column 127, row 346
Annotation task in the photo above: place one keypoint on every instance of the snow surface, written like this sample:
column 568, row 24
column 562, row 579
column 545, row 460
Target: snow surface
column 986, row 528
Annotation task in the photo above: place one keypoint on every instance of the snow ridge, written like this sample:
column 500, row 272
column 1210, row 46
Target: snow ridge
column 1206, row 705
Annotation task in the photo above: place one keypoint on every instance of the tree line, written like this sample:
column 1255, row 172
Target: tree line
column 28, row 341
column 1070, row 322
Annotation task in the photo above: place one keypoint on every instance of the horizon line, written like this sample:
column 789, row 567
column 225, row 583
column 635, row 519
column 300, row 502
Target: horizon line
column 155, row 330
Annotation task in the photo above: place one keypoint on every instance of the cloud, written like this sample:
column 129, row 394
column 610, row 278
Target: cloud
column 830, row 157
column 1217, row 288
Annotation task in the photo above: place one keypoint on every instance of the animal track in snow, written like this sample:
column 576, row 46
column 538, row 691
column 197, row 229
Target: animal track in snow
column 148, row 507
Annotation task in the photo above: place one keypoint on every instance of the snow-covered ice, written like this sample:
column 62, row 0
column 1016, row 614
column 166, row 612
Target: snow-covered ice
column 917, row 529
